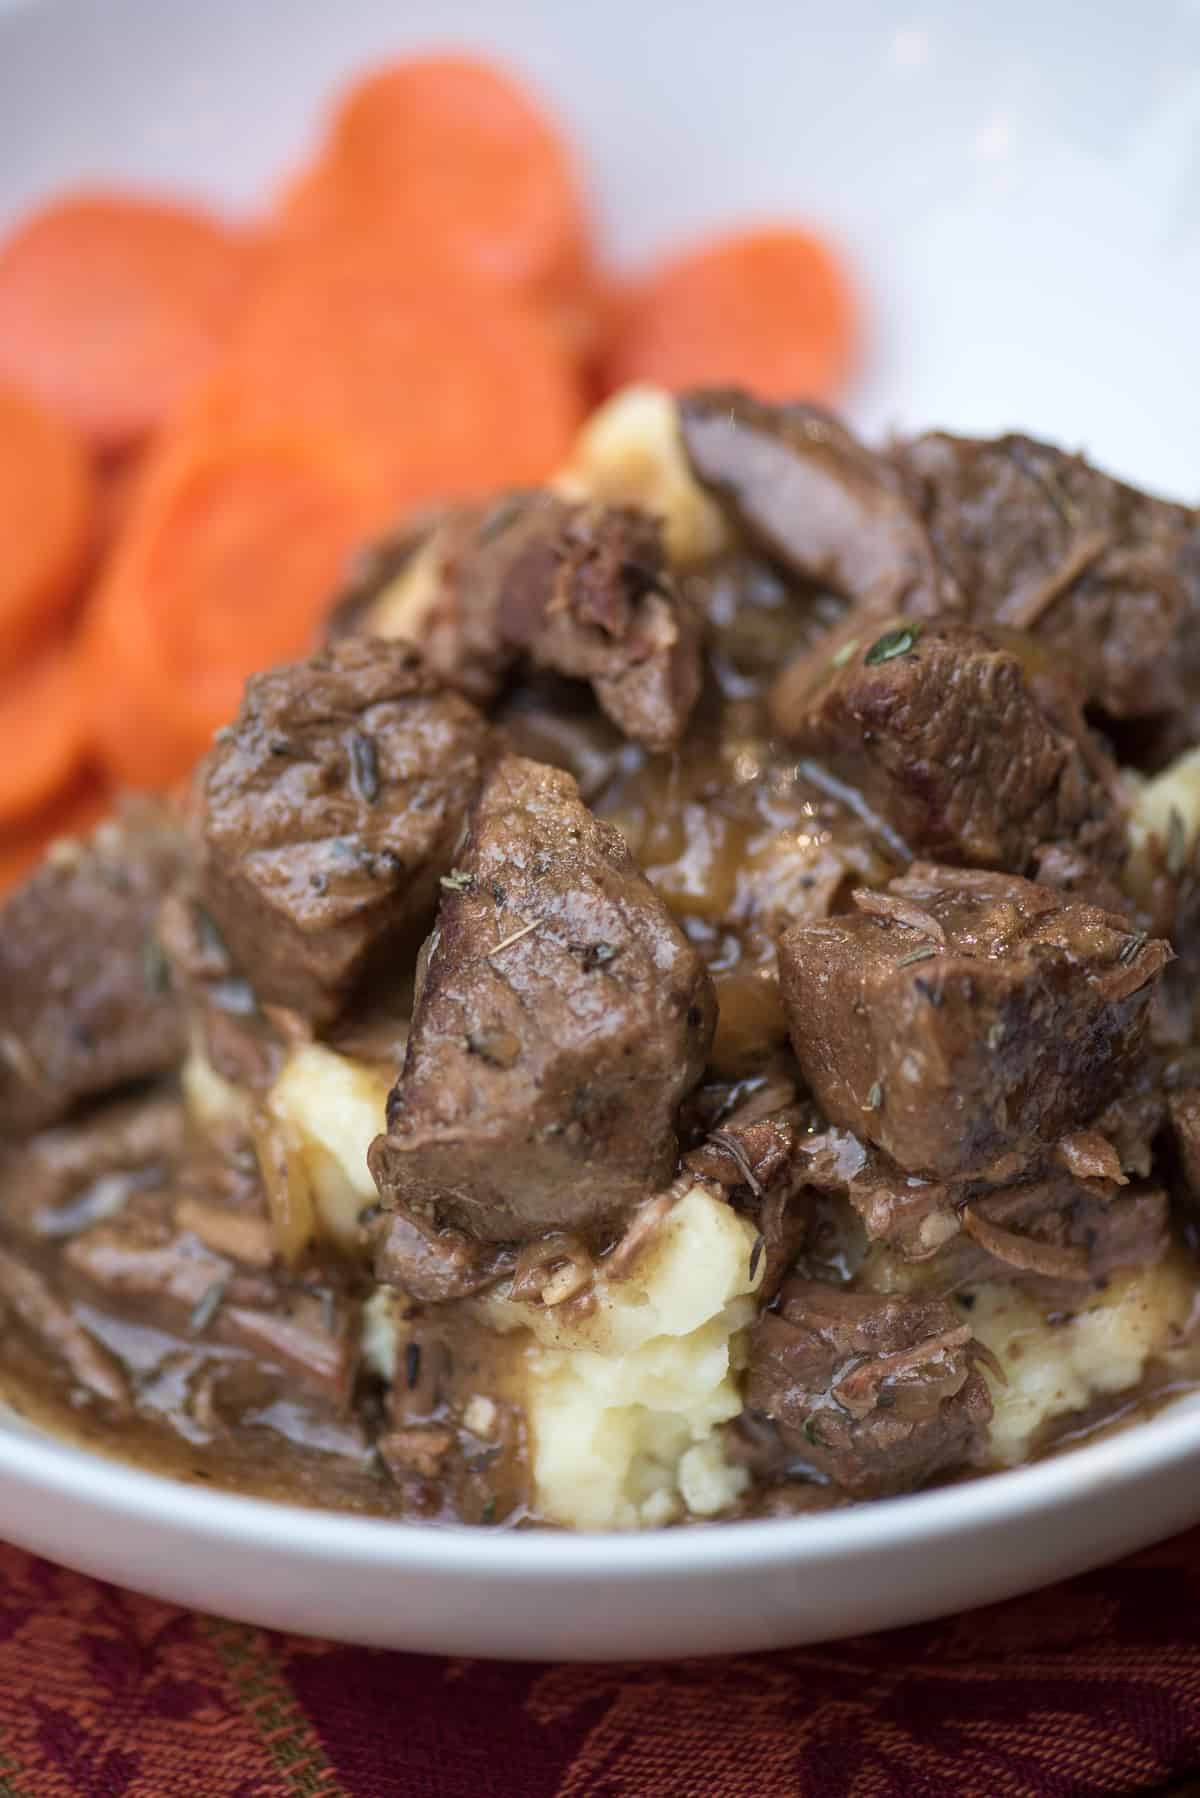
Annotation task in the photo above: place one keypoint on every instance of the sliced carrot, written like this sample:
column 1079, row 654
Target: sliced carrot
column 43, row 740
column 233, row 553
column 453, row 159
column 22, row 846
column 767, row 309
column 118, row 480
column 443, row 392
column 47, row 519
column 113, row 306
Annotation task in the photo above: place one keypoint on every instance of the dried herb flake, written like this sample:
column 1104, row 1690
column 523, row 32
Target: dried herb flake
column 1132, row 947
column 364, row 757
column 156, row 970
column 924, row 953
column 756, row 1255
column 874, row 1098
column 205, row 1311
column 412, row 1364
column 457, row 881
column 844, row 653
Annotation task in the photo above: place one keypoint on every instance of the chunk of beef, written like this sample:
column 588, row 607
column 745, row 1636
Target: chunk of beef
column 153, row 1263
column 804, row 489
column 1183, row 1111
column 28, row 1298
column 431, row 1264
column 876, row 1395
column 938, row 729
column 1034, row 539
column 579, row 590
column 58, row 1182
column 965, row 1021
column 1059, row 1237
column 327, row 814
column 562, row 1017
column 86, row 1004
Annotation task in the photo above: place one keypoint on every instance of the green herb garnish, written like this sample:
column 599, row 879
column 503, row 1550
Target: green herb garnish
column 922, row 954
column 811, row 1437
column 874, row 1098
column 844, row 653
column 892, row 644
column 488, row 1513
column 457, row 882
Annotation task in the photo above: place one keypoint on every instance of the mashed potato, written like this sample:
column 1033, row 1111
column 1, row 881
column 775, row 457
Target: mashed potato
column 624, row 1389
column 330, row 1109
column 623, row 1396
column 1166, row 807
column 629, row 453
column 1102, row 1349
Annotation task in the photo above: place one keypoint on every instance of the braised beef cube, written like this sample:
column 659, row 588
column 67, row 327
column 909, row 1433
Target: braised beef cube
column 876, row 1395
column 1033, row 539
column 939, row 731
column 805, row 490
column 562, row 1017
column 964, row 1021
column 914, row 1218
column 1059, row 1237
column 328, row 813
column 1183, row 1111
column 86, row 1002
column 576, row 589
column 62, row 1179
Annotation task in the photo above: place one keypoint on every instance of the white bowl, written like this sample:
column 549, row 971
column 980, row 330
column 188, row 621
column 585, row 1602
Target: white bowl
column 1018, row 192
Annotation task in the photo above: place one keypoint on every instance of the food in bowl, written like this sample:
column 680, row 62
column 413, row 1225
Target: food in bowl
column 683, row 1008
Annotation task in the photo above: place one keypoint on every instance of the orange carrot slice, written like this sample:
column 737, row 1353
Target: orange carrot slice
column 768, row 309
column 234, row 551
column 454, row 391
column 113, row 306
column 47, row 518
column 452, row 158
column 43, row 740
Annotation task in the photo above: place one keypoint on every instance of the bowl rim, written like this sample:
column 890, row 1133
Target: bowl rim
column 1122, row 1459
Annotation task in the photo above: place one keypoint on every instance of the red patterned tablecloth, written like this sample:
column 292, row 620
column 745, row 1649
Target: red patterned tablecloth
column 1092, row 1687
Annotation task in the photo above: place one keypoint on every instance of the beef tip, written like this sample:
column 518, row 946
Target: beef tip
column 1064, row 867
column 1183, row 1111
column 27, row 1297
column 1057, row 1238
column 1034, row 539
column 940, row 732
column 431, row 1265
column 562, row 1017
column 805, row 490
column 575, row 589
column 67, row 1177
column 875, row 1395
column 152, row 1263
column 585, row 592
column 964, row 1021
column 86, row 1003
column 914, row 1218
column 327, row 814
